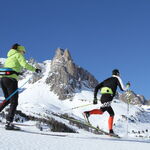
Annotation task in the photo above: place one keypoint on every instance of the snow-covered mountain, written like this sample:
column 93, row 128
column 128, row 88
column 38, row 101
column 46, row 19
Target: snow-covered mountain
column 63, row 85
column 135, row 99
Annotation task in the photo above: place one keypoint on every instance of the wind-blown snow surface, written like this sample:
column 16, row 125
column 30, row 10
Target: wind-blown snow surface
column 37, row 99
column 17, row 140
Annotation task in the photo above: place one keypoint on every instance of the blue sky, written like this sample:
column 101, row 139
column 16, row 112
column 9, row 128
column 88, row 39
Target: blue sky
column 100, row 34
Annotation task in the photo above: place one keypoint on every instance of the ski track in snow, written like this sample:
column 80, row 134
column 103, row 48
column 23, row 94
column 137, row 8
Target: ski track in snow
column 18, row 140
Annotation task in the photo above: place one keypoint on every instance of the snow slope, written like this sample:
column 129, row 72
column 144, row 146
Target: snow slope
column 18, row 140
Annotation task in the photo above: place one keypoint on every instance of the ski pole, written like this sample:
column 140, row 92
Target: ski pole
column 128, row 101
column 78, row 107
column 8, row 98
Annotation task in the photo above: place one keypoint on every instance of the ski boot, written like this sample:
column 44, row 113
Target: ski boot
column 111, row 133
column 10, row 126
column 86, row 115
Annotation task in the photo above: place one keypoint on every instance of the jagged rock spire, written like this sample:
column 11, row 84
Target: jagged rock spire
column 62, row 54
column 66, row 77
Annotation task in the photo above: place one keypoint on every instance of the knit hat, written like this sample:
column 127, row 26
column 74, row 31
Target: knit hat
column 116, row 72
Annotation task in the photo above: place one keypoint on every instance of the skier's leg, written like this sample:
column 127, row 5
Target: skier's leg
column 96, row 111
column 12, row 110
column 99, row 111
column 12, row 85
column 111, row 119
column 106, row 101
column 104, row 98
column 5, row 91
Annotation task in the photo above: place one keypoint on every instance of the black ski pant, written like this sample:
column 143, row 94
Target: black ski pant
column 106, row 100
column 9, row 85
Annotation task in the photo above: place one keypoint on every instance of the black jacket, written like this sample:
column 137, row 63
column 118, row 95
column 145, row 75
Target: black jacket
column 112, row 82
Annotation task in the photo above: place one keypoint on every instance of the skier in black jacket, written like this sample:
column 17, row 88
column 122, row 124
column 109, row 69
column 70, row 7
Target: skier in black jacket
column 108, row 90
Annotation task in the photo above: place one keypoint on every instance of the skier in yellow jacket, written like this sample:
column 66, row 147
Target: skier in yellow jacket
column 9, row 83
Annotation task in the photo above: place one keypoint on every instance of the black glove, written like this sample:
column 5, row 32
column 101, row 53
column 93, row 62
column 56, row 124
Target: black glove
column 38, row 70
column 95, row 101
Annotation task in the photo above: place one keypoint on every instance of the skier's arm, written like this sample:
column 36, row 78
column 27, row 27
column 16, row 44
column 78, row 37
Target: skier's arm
column 24, row 64
column 121, row 85
column 99, row 86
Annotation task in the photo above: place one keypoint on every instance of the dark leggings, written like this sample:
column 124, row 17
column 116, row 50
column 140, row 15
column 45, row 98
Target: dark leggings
column 106, row 106
column 108, row 109
column 106, row 98
column 9, row 85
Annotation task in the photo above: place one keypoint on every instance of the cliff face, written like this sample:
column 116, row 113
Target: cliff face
column 65, row 77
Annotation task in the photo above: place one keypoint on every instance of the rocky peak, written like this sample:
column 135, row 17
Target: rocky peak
column 61, row 56
column 67, row 55
column 133, row 98
column 66, row 77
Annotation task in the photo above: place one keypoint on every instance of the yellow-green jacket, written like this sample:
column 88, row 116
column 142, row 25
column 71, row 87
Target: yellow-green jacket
column 17, row 62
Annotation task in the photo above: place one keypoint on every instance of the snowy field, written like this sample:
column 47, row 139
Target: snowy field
column 18, row 140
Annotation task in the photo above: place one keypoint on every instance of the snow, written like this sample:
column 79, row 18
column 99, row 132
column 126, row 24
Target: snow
column 18, row 140
column 2, row 60
column 37, row 98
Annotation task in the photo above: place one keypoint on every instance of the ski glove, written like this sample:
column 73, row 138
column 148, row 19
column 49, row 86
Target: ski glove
column 38, row 70
column 128, row 85
column 95, row 101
